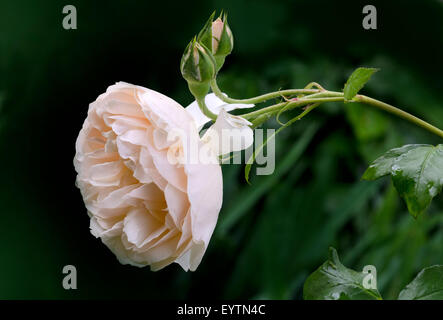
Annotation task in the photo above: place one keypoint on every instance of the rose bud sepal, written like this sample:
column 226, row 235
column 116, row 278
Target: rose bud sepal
column 217, row 37
column 198, row 68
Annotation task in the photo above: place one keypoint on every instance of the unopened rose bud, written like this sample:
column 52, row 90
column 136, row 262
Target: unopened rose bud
column 217, row 37
column 198, row 68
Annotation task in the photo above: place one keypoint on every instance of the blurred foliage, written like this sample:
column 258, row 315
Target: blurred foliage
column 270, row 235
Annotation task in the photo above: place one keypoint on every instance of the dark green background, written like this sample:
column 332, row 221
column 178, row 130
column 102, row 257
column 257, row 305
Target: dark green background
column 270, row 236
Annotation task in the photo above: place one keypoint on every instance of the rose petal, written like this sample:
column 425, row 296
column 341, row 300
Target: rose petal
column 178, row 204
column 228, row 134
column 146, row 210
column 214, row 104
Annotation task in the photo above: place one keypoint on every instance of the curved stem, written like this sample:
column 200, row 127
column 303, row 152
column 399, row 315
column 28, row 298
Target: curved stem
column 258, row 117
column 274, row 109
column 301, row 115
column 325, row 94
column 400, row 113
column 314, row 96
column 260, row 120
column 261, row 98
column 205, row 110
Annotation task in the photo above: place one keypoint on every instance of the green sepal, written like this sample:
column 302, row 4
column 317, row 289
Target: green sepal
column 205, row 35
column 226, row 43
column 198, row 68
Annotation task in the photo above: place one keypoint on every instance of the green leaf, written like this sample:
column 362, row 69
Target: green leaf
column 428, row 285
column 333, row 281
column 356, row 81
column 205, row 35
column 417, row 173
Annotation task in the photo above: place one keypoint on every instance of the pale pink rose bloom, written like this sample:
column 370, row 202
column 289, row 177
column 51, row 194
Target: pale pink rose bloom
column 145, row 209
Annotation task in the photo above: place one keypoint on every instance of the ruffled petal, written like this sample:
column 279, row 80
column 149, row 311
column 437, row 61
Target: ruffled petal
column 228, row 134
column 146, row 209
column 215, row 105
